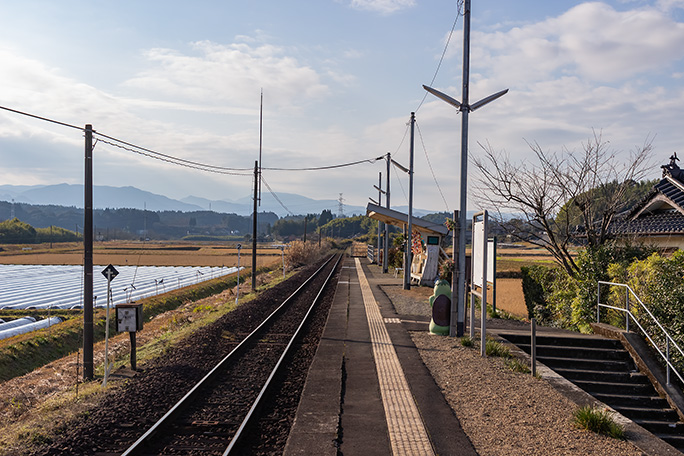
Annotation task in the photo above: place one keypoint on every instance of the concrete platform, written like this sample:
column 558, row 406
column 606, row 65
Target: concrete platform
column 368, row 391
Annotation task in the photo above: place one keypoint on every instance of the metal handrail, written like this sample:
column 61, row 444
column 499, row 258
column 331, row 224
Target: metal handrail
column 628, row 313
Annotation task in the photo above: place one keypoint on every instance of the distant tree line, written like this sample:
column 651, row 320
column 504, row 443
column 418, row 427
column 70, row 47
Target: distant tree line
column 17, row 232
column 137, row 223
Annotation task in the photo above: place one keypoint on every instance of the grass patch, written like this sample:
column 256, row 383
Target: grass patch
column 517, row 365
column 467, row 341
column 599, row 421
column 494, row 348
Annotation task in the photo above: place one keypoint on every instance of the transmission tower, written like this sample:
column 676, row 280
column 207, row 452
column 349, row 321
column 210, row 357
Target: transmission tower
column 340, row 206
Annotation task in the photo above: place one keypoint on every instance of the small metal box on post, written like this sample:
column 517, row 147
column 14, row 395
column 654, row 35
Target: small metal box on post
column 129, row 318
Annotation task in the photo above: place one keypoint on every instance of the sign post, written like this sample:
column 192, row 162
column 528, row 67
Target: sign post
column 237, row 295
column 479, row 275
column 282, row 254
column 110, row 273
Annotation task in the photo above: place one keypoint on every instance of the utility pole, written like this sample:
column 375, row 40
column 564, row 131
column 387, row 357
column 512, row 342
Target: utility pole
column 409, row 249
column 379, row 204
column 387, row 205
column 88, row 371
column 254, row 225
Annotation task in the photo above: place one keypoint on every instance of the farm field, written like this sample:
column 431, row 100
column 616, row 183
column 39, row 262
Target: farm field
column 139, row 254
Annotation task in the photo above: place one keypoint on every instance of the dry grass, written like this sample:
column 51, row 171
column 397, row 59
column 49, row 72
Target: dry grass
column 510, row 298
column 148, row 254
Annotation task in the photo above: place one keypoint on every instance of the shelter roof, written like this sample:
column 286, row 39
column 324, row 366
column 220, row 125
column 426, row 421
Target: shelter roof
column 396, row 218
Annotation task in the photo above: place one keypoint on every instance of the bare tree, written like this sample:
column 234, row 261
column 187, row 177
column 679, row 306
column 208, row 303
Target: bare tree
column 555, row 192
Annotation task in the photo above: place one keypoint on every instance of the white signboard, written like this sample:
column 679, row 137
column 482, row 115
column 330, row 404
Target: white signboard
column 478, row 255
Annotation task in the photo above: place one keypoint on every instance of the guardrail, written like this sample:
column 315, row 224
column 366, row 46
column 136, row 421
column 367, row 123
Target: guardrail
column 371, row 254
column 629, row 315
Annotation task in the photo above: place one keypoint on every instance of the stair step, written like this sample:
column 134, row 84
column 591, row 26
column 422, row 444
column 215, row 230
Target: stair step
column 648, row 413
column 661, row 427
column 579, row 341
column 588, row 364
column 676, row 441
column 580, row 353
column 631, row 400
column 592, row 387
column 630, row 378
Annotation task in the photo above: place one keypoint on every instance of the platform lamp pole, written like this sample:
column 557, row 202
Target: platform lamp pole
column 465, row 109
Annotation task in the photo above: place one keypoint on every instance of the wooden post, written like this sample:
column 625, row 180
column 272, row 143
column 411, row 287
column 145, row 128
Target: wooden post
column 133, row 350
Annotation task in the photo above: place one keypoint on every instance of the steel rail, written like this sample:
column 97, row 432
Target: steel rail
column 262, row 393
column 137, row 445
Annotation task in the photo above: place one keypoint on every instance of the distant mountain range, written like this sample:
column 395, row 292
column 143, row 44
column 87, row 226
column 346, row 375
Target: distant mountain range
column 134, row 198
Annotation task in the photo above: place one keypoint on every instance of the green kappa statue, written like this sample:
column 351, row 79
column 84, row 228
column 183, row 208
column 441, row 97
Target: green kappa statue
column 440, row 301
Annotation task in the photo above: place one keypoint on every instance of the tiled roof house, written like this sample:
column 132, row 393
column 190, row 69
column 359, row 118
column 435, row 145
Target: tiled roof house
column 658, row 219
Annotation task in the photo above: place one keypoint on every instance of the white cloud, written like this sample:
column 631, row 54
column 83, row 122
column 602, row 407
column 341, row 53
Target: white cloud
column 670, row 4
column 233, row 73
column 592, row 40
column 382, row 6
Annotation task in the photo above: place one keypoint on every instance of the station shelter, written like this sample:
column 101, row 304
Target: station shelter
column 426, row 241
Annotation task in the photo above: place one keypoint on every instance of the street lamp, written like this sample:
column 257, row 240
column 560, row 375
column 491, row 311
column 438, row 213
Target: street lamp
column 465, row 108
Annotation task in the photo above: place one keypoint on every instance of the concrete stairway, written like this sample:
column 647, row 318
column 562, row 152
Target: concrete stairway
column 604, row 369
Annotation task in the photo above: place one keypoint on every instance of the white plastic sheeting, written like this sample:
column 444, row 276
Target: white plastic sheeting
column 61, row 287
column 40, row 324
column 15, row 323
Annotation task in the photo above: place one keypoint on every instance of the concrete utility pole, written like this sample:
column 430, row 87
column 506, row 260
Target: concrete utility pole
column 379, row 204
column 254, row 225
column 387, row 204
column 88, row 371
column 409, row 251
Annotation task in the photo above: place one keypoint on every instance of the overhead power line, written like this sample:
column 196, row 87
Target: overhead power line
column 115, row 142
column 318, row 168
column 175, row 160
column 42, row 118
column 459, row 5
column 275, row 196
column 431, row 169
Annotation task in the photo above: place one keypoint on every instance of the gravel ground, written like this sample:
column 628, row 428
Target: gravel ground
column 501, row 411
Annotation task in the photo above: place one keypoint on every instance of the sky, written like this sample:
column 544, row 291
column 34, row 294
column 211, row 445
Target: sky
column 339, row 78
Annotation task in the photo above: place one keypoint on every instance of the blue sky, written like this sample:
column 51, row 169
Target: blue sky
column 340, row 79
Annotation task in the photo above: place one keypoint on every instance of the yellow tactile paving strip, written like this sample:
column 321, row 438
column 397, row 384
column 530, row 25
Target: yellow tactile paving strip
column 406, row 430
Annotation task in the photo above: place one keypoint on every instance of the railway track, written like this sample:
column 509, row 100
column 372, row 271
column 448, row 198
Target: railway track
column 217, row 412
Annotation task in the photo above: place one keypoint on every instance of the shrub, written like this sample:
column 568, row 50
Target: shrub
column 466, row 341
column 300, row 253
column 659, row 282
column 593, row 266
column 535, row 284
column 555, row 298
column 599, row 421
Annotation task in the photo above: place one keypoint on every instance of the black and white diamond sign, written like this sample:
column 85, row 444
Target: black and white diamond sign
column 110, row 272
